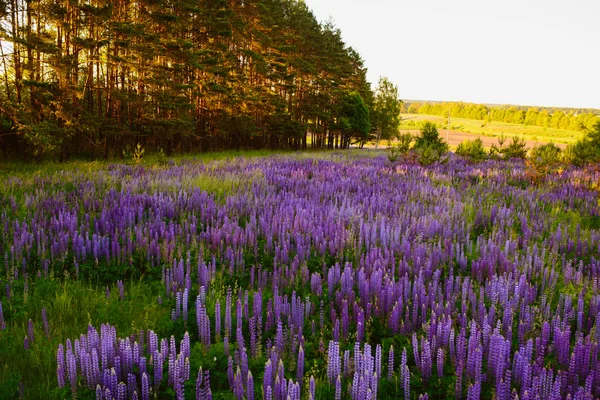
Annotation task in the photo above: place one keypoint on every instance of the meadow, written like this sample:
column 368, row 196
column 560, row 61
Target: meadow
column 493, row 128
column 329, row 275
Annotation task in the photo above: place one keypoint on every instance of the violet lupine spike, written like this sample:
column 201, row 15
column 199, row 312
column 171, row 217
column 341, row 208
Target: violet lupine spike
column 250, row 387
column 406, row 382
column 121, row 391
column 207, row 391
column 300, row 365
column 60, row 366
column 2, row 323
column 30, row 331
column 199, row 385
column 145, row 387
column 44, row 321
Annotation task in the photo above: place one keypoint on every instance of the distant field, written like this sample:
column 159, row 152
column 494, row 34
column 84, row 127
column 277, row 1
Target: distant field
column 494, row 129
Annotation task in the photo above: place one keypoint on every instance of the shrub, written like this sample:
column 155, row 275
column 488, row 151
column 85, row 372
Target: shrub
column 582, row 153
column 515, row 149
column 401, row 149
column 404, row 142
column 472, row 149
column 544, row 160
column 429, row 146
column 429, row 154
column 586, row 150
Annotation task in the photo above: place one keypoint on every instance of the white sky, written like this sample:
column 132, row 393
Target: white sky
column 525, row 52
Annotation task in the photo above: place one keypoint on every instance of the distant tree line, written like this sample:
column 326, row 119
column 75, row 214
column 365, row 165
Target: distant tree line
column 93, row 77
column 560, row 118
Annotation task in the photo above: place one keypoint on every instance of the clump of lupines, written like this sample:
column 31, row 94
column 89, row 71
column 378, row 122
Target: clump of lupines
column 505, row 294
column 120, row 367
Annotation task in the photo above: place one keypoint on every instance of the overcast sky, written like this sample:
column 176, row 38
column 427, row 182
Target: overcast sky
column 525, row 52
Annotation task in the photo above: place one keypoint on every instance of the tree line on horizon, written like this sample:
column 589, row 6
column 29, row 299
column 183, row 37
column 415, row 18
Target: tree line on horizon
column 557, row 118
column 94, row 78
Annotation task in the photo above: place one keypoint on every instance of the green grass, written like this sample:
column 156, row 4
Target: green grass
column 71, row 306
column 494, row 129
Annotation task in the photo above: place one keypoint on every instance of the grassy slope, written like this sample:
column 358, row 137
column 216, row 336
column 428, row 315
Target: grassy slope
column 411, row 121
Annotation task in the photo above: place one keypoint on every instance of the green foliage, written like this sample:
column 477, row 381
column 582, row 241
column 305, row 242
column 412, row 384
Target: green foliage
column 354, row 118
column 472, row 149
column 401, row 148
column 430, row 137
column 386, row 110
column 429, row 146
column 587, row 150
column 556, row 118
column 404, row 142
column 182, row 76
column 429, row 153
column 515, row 149
column 544, row 160
column 138, row 153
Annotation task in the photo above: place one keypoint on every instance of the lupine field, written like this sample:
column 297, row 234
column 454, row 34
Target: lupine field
column 333, row 276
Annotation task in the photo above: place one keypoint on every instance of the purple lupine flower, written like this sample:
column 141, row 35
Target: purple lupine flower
column 71, row 369
column 333, row 361
column 2, row 323
column 300, row 367
column 60, row 366
column 121, row 391
column 338, row 388
column 207, row 392
column 26, row 343
column 185, row 301
column 440, row 362
column 158, row 369
column 199, row 386
column 268, row 375
column 378, row 357
column 145, row 387
column 131, row 384
column 30, row 332
column 44, row 321
column 230, row 374
column 250, row 387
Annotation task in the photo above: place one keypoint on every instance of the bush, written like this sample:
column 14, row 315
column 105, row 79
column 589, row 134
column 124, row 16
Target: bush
column 404, row 142
column 430, row 137
column 515, row 149
column 544, row 160
column 429, row 146
column 472, row 149
column 582, row 153
column 586, row 150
